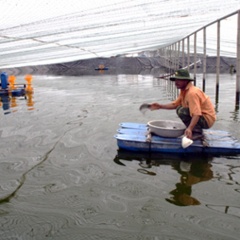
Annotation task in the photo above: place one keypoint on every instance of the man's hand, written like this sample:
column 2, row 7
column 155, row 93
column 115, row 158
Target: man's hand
column 155, row 106
column 188, row 133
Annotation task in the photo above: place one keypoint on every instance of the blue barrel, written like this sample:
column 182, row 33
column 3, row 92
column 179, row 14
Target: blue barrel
column 4, row 80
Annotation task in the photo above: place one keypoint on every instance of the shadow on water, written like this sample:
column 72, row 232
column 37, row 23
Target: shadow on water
column 192, row 168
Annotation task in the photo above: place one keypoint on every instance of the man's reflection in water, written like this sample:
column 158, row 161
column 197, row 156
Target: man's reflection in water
column 192, row 170
column 191, row 173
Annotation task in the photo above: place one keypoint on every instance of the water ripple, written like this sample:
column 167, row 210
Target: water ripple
column 59, row 179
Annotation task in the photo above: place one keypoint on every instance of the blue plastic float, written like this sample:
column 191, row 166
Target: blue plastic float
column 133, row 137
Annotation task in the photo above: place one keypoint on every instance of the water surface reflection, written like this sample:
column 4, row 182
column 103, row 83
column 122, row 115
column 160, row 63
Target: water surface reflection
column 192, row 170
column 10, row 104
column 61, row 154
column 191, row 173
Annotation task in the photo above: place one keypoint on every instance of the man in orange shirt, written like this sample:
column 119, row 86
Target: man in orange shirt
column 193, row 106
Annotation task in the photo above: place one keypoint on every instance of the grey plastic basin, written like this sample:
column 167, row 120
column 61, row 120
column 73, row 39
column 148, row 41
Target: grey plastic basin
column 166, row 128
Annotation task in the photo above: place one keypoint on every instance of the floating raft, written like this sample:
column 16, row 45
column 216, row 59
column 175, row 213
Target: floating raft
column 134, row 137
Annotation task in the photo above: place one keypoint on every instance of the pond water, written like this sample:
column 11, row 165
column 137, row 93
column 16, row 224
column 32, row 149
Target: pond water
column 62, row 176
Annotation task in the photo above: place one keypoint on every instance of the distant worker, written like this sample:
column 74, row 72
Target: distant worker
column 193, row 106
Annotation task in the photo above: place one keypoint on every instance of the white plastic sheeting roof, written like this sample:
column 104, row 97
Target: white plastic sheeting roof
column 34, row 32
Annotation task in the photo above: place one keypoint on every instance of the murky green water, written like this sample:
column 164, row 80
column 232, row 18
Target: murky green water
column 62, row 176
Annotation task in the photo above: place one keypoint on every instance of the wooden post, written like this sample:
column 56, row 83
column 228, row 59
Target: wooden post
column 238, row 63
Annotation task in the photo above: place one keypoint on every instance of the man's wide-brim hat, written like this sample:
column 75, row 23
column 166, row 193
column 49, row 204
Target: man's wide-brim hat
column 181, row 74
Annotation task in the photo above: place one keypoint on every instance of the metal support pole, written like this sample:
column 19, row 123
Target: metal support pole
column 169, row 58
column 165, row 57
column 238, row 62
column 195, row 55
column 188, row 52
column 183, row 54
column 178, row 65
column 204, row 58
column 218, row 61
column 173, row 54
